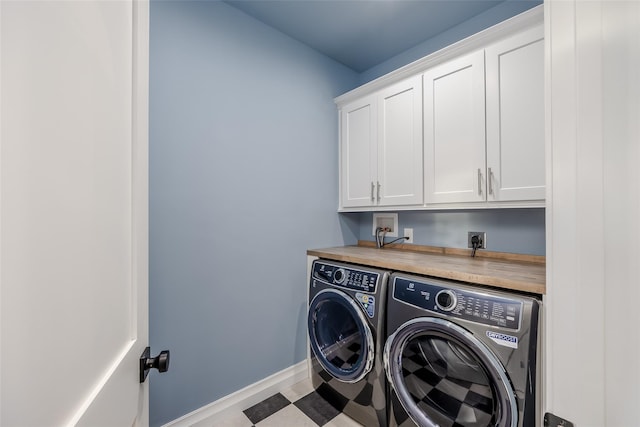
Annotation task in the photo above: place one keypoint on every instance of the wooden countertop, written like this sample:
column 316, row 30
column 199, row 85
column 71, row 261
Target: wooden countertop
column 525, row 273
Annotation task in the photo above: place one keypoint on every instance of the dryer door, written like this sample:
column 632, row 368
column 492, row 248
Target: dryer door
column 340, row 335
column 443, row 375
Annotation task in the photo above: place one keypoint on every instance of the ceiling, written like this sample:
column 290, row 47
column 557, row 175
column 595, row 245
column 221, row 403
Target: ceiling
column 362, row 33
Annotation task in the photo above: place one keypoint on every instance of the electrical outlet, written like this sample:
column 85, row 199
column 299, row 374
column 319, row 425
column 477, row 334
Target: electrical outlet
column 481, row 235
column 408, row 232
column 385, row 220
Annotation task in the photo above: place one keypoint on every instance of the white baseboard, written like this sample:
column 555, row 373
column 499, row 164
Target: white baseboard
column 244, row 398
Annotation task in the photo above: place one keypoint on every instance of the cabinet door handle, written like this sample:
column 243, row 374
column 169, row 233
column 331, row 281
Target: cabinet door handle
column 378, row 182
column 489, row 179
column 372, row 186
column 479, row 182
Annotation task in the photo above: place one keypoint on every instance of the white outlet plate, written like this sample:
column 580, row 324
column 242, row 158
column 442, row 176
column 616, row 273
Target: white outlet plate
column 385, row 220
column 408, row 232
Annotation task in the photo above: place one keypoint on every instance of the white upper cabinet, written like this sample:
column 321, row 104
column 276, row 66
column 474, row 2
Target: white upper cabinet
column 460, row 128
column 456, row 144
column 359, row 170
column 381, row 147
column 400, row 144
column 454, row 131
column 515, row 117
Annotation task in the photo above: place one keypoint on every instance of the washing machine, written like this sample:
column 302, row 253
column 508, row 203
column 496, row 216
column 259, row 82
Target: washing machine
column 460, row 355
column 346, row 324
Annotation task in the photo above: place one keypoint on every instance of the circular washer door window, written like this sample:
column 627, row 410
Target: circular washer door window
column 340, row 335
column 444, row 376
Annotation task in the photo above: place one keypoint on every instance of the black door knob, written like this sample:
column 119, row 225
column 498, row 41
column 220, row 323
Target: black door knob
column 160, row 362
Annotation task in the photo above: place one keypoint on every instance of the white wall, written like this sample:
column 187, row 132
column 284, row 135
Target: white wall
column 593, row 212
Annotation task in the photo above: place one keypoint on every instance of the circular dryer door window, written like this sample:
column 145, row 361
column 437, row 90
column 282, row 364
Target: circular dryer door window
column 340, row 336
column 444, row 376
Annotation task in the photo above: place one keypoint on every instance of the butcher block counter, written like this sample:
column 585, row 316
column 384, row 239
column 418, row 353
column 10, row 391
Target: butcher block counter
column 502, row 270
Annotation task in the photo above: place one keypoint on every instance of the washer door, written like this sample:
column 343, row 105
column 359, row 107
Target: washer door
column 444, row 376
column 340, row 336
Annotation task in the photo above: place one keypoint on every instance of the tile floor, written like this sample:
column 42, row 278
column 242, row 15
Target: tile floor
column 298, row 406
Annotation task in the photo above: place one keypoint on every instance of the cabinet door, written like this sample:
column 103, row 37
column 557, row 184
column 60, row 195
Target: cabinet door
column 358, row 152
column 400, row 179
column 515, row 117
column 454, row 131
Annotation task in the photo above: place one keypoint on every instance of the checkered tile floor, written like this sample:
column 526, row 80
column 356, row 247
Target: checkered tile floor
column 299, row 406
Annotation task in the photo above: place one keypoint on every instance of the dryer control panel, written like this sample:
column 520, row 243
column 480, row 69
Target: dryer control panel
column 348, row 278
column 459, row 303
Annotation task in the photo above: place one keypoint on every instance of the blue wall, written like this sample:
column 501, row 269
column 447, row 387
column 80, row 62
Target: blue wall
column 499, row 13
column 243, row 180
column 508, row 230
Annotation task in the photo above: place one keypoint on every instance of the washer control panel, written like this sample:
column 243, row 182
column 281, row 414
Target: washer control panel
column 348, row 278
column 459, row 303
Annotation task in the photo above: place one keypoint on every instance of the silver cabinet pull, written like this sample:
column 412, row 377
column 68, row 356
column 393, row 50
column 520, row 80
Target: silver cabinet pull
column 372, row 199
column 479, row 182
column 378, row 182
column 490, row 178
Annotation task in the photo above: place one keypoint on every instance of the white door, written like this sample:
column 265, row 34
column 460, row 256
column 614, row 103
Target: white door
column 358, row 141
column 400, row 143
column 454, row 126
column 73, row 212
column 515, row 117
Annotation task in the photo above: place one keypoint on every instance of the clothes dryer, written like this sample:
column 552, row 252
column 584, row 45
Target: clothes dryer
column 460, row 355
column 346, row 333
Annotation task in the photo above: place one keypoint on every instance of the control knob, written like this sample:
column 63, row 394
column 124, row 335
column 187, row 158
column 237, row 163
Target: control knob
column 339, row 275
column 446, row 300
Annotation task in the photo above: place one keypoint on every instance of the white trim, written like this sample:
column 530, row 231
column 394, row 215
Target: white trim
column 479, row 40
column 244, row 398
column 528, row 204
column 140, row 194
column 546, row 335
column 1, row 186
